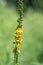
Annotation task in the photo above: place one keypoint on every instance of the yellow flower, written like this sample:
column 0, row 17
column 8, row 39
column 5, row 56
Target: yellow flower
column 16, row 35
column 18, row 41
column 19, row 30
column 18, row 45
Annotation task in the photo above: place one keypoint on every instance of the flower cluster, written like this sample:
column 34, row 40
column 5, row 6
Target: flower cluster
column 18, row 36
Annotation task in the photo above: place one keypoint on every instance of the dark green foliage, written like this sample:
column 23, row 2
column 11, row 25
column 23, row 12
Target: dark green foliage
column 40, row 57
column 28, row 3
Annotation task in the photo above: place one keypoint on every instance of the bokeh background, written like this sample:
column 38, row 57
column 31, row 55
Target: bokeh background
column 32, row 45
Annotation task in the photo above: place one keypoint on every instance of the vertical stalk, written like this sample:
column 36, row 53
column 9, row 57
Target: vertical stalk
column 18, row 33
column 15, row 57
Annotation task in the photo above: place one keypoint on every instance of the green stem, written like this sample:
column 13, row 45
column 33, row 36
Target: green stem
column 15, row 57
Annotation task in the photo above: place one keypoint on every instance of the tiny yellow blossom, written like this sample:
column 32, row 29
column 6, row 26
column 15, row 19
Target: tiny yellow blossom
column 19, row 30
column 18, row 45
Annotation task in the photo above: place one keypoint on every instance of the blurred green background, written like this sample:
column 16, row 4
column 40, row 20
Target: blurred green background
column 32, row 45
